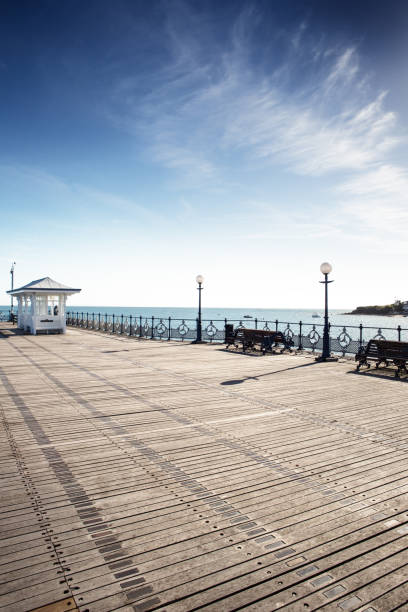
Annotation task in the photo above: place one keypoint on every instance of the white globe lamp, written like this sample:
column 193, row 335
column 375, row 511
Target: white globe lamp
column 326, row 268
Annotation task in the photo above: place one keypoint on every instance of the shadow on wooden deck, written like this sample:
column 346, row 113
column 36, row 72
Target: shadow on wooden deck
column 382, row 373
column 241, row 380
column 7, row 329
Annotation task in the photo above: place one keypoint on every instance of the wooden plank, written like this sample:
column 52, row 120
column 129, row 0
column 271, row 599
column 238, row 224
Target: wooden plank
column 64, row 605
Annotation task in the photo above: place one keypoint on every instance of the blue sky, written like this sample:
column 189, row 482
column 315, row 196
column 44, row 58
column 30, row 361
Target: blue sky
column 246, row 141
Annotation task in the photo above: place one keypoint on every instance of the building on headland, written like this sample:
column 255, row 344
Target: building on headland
column 42, row 306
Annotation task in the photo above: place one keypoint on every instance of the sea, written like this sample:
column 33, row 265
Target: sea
column 373, row 324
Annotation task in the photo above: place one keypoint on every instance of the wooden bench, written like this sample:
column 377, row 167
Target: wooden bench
column 384, row 351
column 261, row 339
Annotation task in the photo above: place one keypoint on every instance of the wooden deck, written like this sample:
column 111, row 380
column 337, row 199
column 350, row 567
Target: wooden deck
column 139, row 475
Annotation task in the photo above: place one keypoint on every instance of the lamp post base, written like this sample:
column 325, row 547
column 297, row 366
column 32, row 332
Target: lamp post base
column 199, row 342
column 330, row 358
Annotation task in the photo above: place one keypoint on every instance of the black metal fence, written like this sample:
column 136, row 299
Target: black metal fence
column 5, row 315
column 344, row 339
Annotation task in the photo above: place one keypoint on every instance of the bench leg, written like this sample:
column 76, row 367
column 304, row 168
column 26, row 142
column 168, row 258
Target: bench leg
column 401, row 367
column 362, row 362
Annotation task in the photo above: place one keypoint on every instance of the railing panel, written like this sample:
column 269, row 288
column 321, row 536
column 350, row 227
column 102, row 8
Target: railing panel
column 212, row 332
column 4, row 315
column 183, row 329
column 160, row 330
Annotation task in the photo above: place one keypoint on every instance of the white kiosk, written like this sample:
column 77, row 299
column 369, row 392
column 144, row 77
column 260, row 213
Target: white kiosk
column 41, row 306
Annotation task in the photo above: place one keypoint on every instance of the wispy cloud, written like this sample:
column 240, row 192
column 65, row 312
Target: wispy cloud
column 35, row 175
column 298, row 35
column 376, row 201
column 101, row 200
column 212, row 113
column 75, row 196
column 205, row 106
column 383, row 182
column 344, row 70
column 280, row 131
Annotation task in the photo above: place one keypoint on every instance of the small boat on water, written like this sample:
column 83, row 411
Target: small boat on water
column 247, row 317
column 315, row 316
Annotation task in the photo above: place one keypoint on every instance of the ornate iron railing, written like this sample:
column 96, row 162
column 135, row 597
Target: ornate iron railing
column 344, row 339
column 5, row 315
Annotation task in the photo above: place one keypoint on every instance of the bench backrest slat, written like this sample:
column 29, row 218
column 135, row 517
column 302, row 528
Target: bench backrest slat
column 387, row 349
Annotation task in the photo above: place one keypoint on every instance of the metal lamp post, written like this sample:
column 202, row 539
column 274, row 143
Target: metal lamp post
column 199, row 280
column 12, row 287
column 325, row 269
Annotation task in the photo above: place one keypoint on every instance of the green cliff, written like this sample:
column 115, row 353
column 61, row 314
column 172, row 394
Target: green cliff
column 388, row 309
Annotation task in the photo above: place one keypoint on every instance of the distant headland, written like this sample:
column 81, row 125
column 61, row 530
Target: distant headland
column 397, row 308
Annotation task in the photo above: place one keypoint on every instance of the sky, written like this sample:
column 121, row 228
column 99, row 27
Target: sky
column 143, row 143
